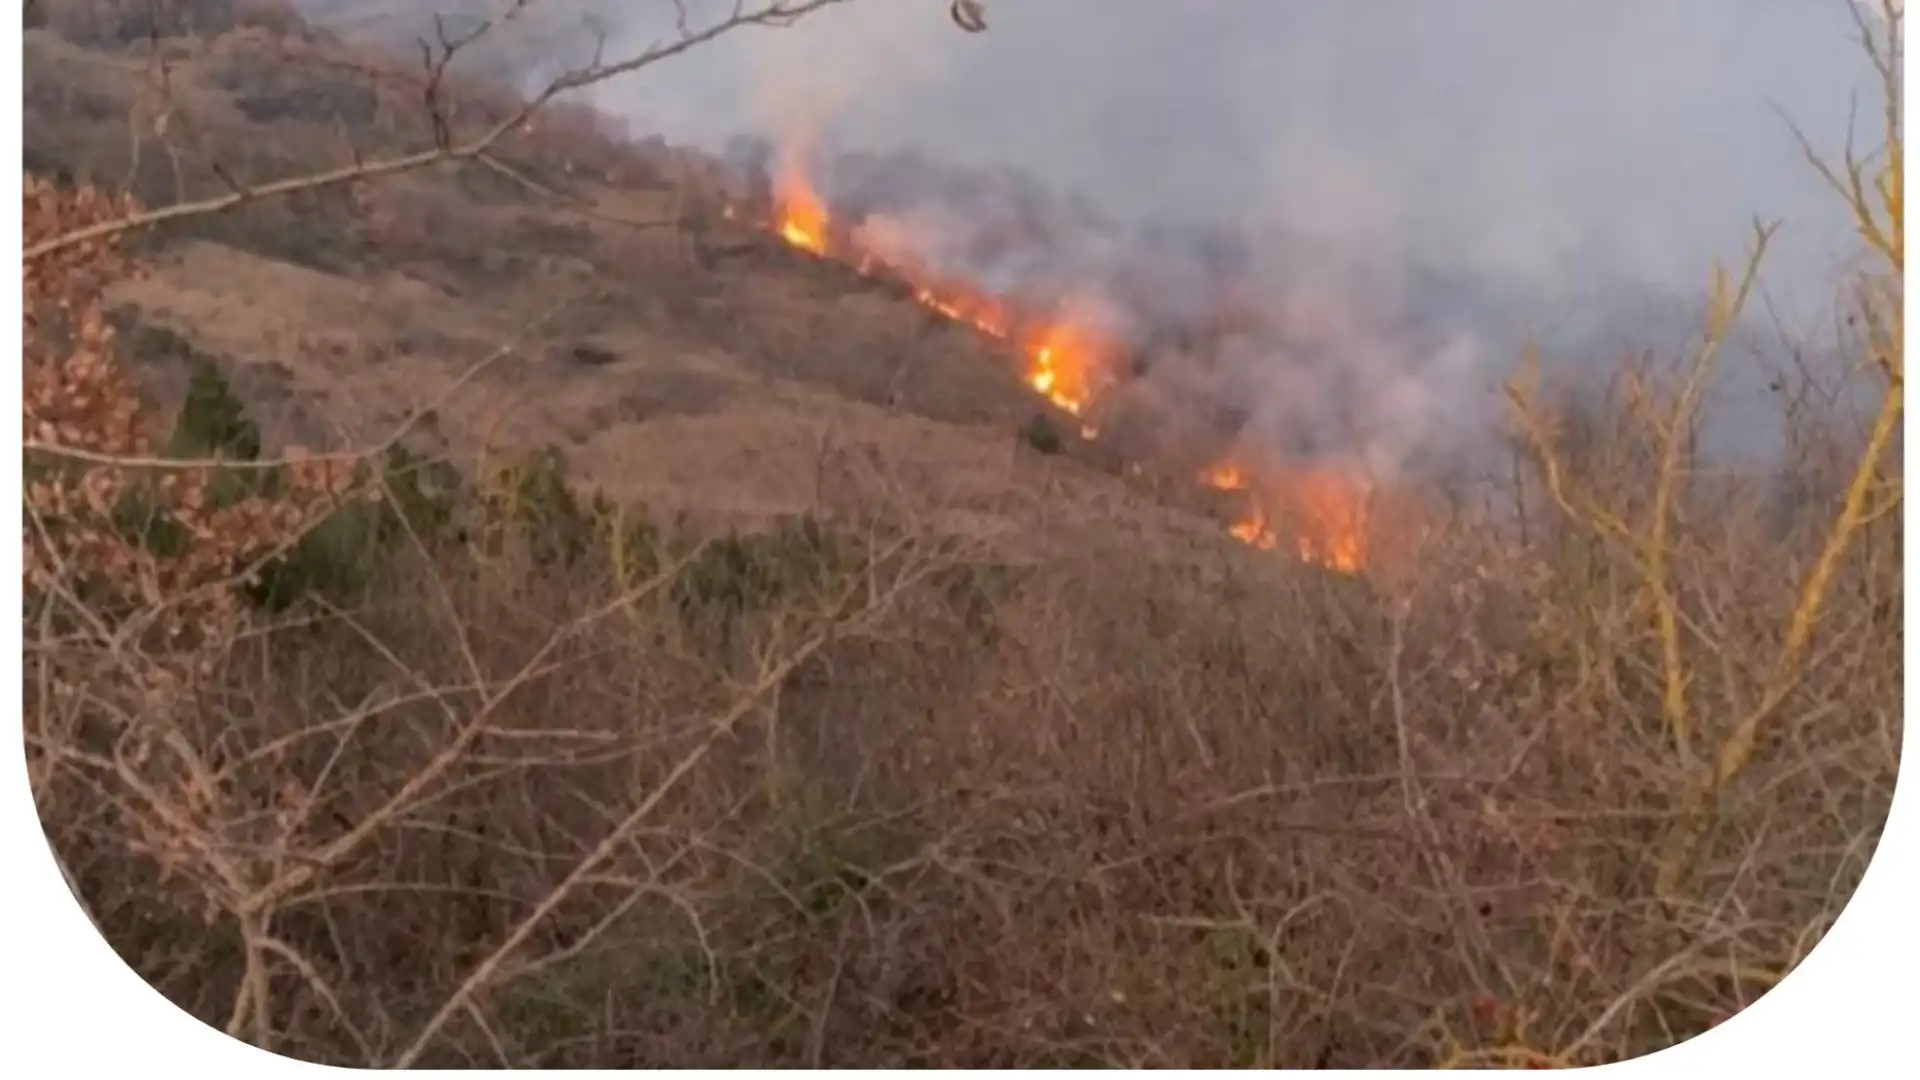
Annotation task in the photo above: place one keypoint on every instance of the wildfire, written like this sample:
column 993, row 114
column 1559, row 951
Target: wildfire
column 1062, row 363
column 1252, row 529
column 1322, row 509
column 1061, row 356
column 1046, row 378
column 799, row 216
column 1225, row 476
column 984, row 315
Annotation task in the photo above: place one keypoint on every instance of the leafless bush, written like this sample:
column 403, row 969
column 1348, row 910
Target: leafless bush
column 227, row 776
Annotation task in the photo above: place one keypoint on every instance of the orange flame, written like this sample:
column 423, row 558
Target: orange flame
column 980, row 311
column 1325, row 511
column 799, row 216
column 1225, row 476
column 1062, row 363
column 1252, row 529
column 1322, row 514
column 1062, row 357
column 1332, row 514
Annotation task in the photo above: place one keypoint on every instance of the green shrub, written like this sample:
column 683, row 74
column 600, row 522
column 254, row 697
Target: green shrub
column 530, row 502
column 1043, row 434
column 974, row 593
column 340, row 557
column 213, row 421
column 747, row 572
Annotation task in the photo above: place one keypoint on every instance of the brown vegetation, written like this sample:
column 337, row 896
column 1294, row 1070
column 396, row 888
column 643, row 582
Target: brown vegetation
column 371, row 762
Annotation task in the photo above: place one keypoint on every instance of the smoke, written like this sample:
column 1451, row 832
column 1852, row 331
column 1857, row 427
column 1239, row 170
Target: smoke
column 1416, row 185
column 1502, row 138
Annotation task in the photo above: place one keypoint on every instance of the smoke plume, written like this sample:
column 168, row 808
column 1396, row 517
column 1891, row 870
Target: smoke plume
column 1413, row 187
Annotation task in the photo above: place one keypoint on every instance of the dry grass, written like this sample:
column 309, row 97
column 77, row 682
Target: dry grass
column 986, row 766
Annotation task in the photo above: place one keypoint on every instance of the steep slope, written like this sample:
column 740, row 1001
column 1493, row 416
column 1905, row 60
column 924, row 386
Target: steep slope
column 679, row 358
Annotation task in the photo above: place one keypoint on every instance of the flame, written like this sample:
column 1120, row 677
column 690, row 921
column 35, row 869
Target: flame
column 982, row 312
column 1252, row 529
column 1324, row 512
column 1061, row 363
column 1225, row 476
column 800, row 217
column 1331, row 513
column 1061, row 357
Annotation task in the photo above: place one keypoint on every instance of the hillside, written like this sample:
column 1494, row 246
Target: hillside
column 791, row 667
column 683, row 348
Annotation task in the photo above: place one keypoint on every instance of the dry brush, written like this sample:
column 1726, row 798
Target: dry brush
column 492, row 772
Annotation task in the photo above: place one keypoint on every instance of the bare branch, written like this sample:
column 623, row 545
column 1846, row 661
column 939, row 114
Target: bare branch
column 770, row 13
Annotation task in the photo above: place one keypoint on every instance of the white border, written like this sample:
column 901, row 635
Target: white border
column 69, row 1004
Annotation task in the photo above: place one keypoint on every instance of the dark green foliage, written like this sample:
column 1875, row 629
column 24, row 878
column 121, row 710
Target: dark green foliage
column 748, row 572
column 334, row 559
column 530, row 508
column 423, row 493
column 150, row 528
column 339, row 557
column 126, row 22
column 733, row 575
column 213, row 422
column 267, row 90
column 974, row 593
column 630, row 540
column 798, row 565
column 540, row 494
column 1043, row 434
column 532, row 502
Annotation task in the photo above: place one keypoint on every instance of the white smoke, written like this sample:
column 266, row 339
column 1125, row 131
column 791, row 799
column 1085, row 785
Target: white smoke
column 1454, row 176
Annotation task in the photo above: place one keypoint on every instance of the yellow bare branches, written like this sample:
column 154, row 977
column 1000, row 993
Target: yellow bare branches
column 1649, row 541
column 1714, row 755
column 1872, row 190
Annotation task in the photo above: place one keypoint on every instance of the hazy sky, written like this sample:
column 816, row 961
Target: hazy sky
column 1530, row 138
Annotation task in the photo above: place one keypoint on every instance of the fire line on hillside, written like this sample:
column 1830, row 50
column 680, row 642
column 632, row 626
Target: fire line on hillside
column 1067, row 358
